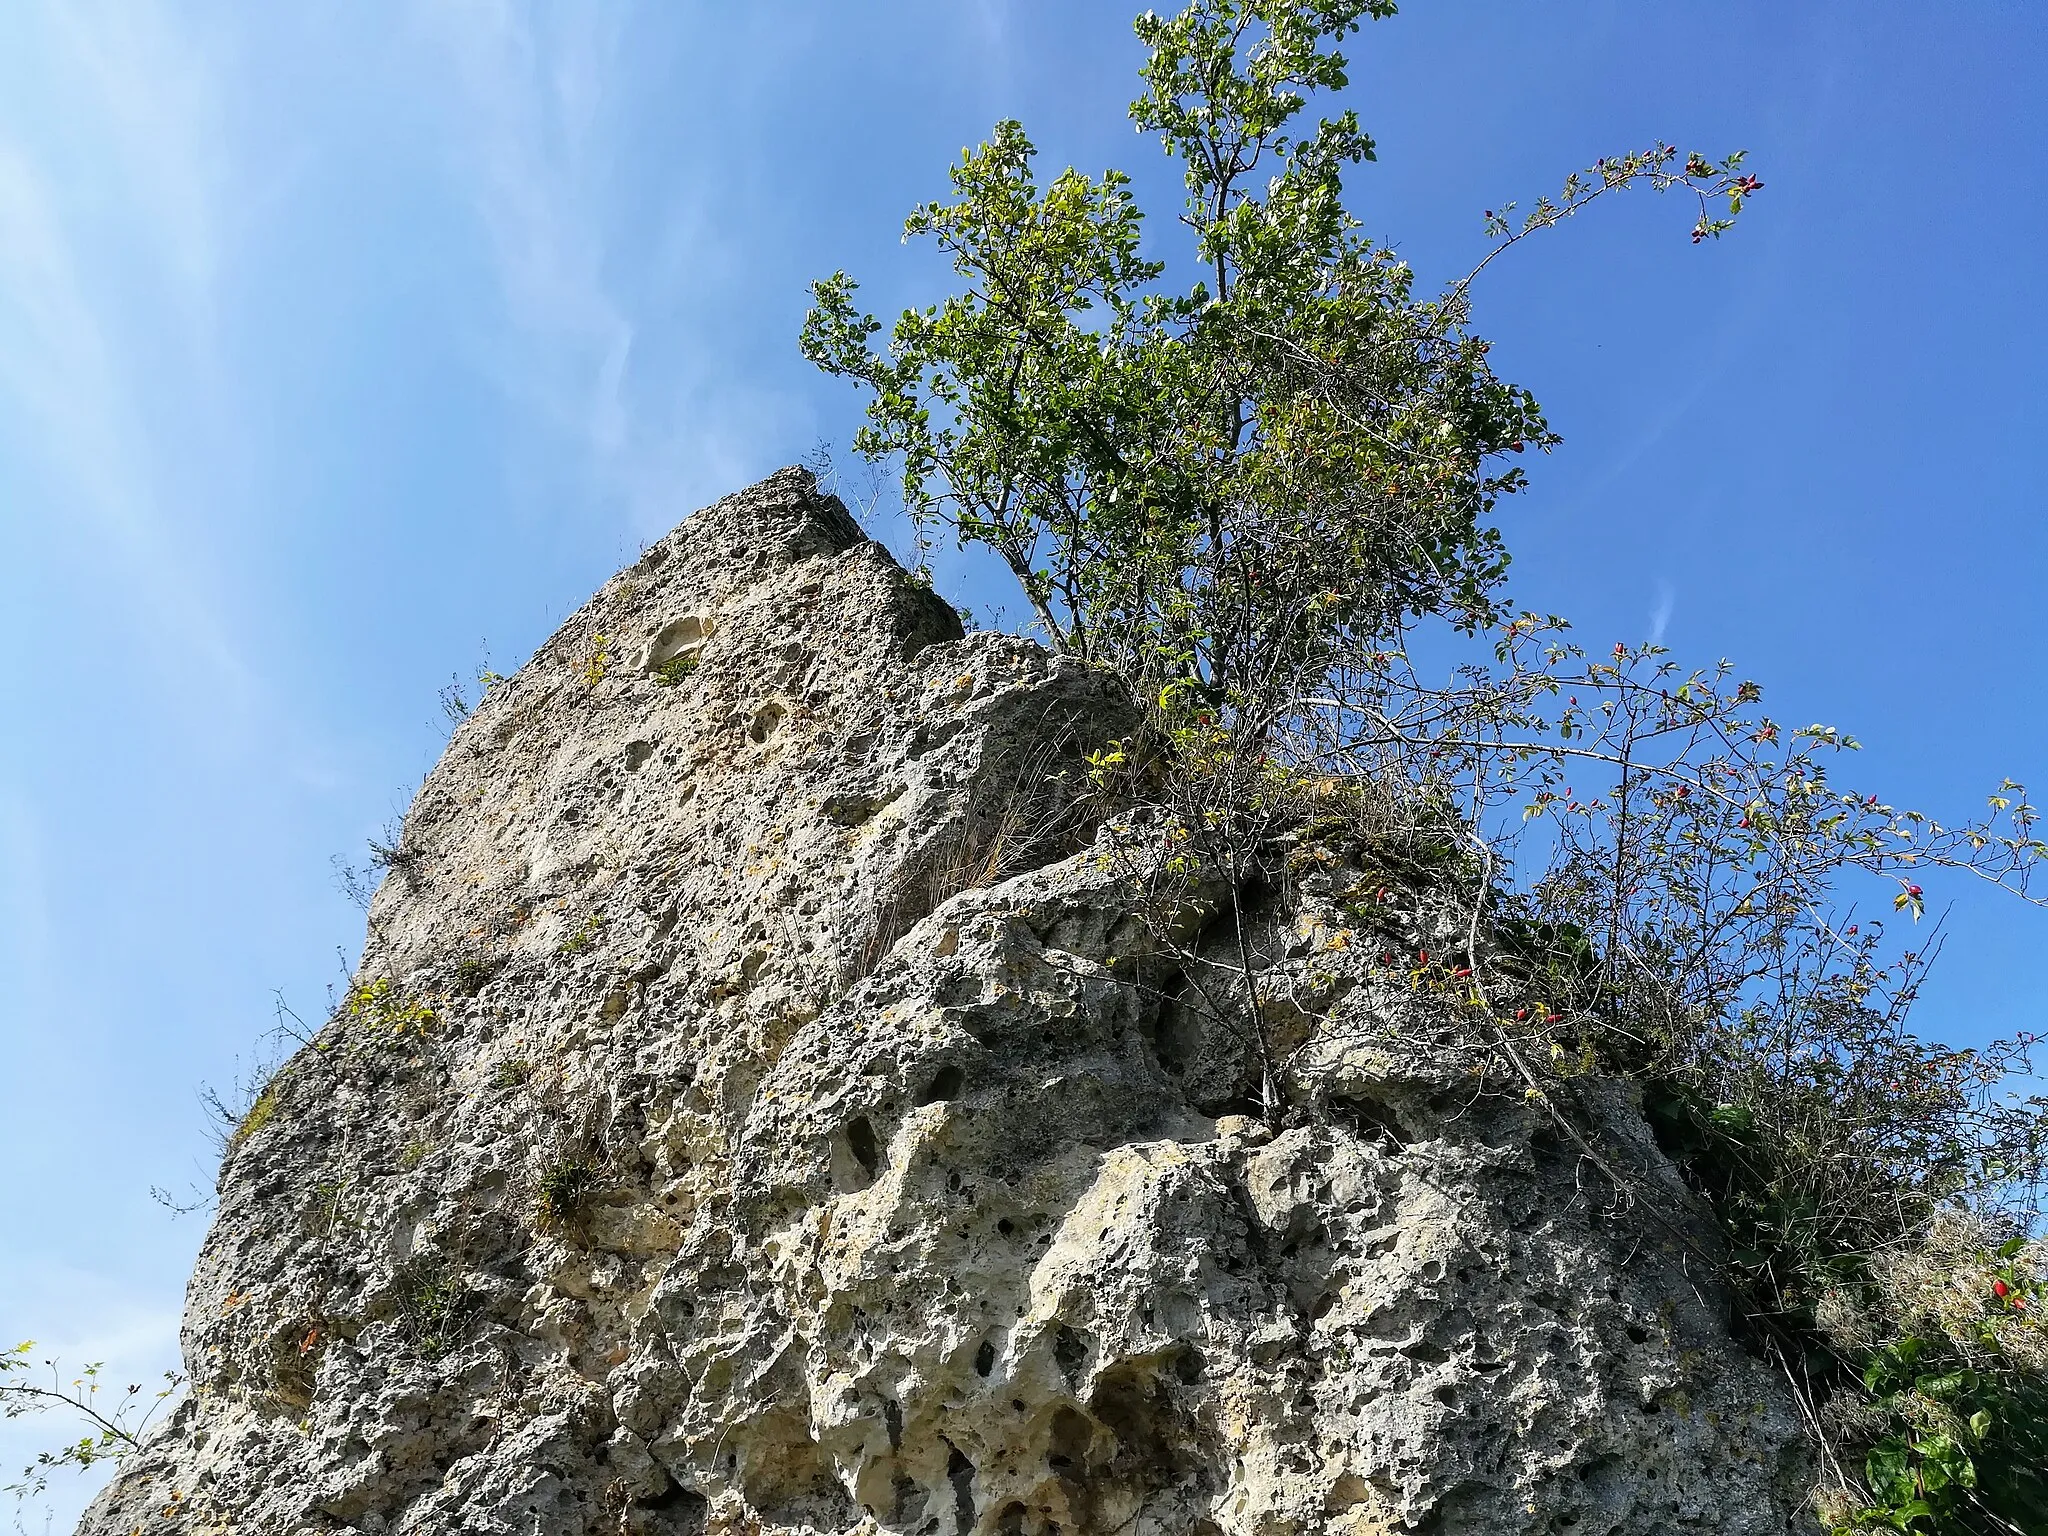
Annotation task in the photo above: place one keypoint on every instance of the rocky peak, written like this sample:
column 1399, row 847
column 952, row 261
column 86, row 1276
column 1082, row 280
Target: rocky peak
column 758, row 1109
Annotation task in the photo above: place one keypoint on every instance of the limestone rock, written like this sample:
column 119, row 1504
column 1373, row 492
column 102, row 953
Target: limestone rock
column 760, row 1111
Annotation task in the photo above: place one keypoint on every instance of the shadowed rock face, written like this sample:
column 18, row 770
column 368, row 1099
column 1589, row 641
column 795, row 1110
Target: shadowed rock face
column 805, row 1136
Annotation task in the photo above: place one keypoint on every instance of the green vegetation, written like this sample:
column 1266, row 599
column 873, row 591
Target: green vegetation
column 563, row 1193
column 512, row 1072
column 258, row 1116
column 586, row 933
column 432, row 1305
column 383, row 1009
column 1245, row 471
column 671, row 673
column 114, row 1421
column 332, row 1206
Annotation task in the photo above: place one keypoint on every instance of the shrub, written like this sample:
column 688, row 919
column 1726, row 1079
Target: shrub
column 114, row 1422
column 1247, row 495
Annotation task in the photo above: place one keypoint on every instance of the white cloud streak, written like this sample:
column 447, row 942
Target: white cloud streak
column 68, row 303
column 538, row 150
column 532, row 150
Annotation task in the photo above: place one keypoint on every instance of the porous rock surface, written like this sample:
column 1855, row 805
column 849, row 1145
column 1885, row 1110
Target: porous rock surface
column 806, row 1136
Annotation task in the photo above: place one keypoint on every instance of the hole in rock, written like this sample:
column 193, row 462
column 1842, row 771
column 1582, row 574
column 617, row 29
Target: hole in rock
column 1070, row 1350
column 1067, row 1450
column 677, row 1511
column 985, row 1358
column 1370, row 1119
column 947, row 1085
column 856, row 1155
column 679, row 639
column 766, row 722
column 960, row 1473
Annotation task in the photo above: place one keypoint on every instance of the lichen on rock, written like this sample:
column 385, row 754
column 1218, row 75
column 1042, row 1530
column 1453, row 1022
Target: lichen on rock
column 774, row 1119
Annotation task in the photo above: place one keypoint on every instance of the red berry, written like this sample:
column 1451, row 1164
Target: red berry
column 1912, row 890
column 2000, row 1289
column 1422, row 956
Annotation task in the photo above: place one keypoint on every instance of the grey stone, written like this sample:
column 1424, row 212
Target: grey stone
column 805, row 1138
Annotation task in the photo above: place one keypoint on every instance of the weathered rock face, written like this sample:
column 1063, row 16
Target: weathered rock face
column 806, row 1135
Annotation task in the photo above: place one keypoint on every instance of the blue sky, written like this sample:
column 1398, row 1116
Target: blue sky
column 345, row 347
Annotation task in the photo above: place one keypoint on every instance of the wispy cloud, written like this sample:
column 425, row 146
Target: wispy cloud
column 153, row 89
column 532, row 153
column 1660, row 615
column 70, row 308
column 538, row 150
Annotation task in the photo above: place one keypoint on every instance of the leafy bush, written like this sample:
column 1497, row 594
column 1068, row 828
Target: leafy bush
column 1247, row 495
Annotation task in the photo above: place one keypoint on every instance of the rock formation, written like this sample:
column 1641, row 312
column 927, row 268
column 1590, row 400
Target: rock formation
column 759, row 1110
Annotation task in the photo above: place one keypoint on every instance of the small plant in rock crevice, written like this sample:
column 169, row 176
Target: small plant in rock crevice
column 676, row 670
column 432, row 1305
column 513, row 1072
column 384, row 1009
column 563, row 1194
column 585, row 934
column 473, row 973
